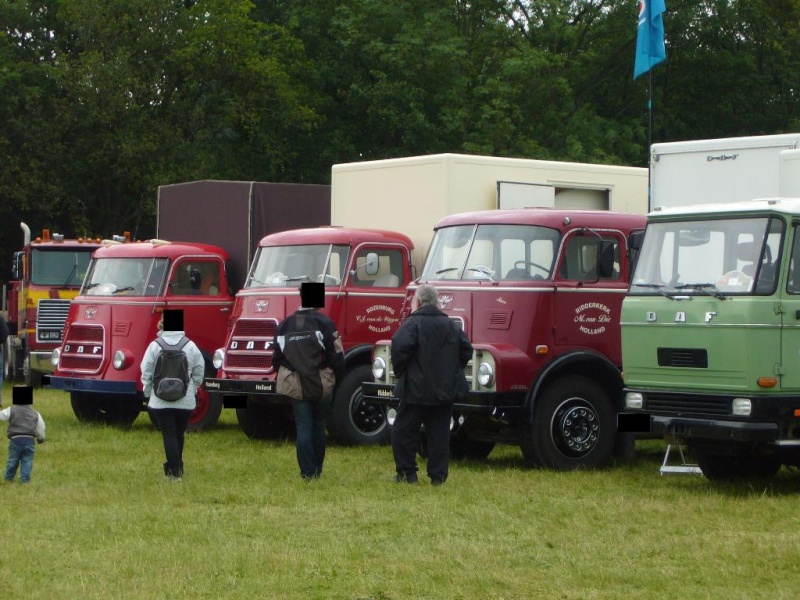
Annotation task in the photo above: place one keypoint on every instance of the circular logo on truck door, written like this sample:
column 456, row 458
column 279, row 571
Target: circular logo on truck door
column 593, row 318
column 378, row 318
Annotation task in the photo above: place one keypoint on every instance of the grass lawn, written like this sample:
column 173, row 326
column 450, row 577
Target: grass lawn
column 99, row 520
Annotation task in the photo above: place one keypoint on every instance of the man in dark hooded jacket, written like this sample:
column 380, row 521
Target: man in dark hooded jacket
column 429, row 353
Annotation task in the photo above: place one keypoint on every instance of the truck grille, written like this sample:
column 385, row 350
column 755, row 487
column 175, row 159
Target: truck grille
column 52, row 314
column 688, row 405
column 249, row 348
column 692, row 358
column 83, row 349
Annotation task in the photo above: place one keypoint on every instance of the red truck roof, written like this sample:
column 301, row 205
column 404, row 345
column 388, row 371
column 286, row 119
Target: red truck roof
column 158, row 250
column 547, row 217
column 334, row 235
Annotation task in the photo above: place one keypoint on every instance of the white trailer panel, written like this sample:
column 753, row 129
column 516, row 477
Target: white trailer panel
column 717, row 170
column 411, row 194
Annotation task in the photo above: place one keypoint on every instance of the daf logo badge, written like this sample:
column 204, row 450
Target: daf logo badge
column 445, row 301
column 651, row 317
column 91, row 312
column 710, row 315
column 680, row 317
column 261, row 305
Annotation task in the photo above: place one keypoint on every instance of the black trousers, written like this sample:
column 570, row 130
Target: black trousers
column 173, row 423
column 406, row 435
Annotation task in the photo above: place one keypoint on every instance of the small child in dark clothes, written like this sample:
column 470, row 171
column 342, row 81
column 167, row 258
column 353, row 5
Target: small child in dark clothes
column 25, row 427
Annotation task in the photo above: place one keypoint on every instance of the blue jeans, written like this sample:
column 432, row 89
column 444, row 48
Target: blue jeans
column 20, row 454
column 310, row 418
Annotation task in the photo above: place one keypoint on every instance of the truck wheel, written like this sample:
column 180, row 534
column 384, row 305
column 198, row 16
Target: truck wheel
column 264, row 422
column 573, row 427
column 32, row 378
column 461, row 446
column 86, row 407
column 206, row 413
column 353, row 421
column 718, row 467
column 119, row 411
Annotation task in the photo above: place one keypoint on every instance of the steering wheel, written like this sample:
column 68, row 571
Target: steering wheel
column 521, row 264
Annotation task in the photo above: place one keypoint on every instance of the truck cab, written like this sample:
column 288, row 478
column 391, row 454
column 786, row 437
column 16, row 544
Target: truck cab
column 710, row 334
column 115, row 317
column 47, row 273
column 538, row 293
column 365, row 272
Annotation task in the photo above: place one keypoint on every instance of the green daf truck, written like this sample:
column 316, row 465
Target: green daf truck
column 711, row 334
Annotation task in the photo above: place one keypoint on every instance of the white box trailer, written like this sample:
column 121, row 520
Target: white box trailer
column 411, row 194
column 724, row 170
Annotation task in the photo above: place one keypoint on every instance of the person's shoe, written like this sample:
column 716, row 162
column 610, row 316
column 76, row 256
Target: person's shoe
column 404, row 479
column 174, row 478
column 437, row 481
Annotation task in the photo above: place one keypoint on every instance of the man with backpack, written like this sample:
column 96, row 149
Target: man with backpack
column 309, row 357
column 172, row 370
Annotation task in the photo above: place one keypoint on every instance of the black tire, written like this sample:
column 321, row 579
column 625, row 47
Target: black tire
column 463, row 447
column 118, row 411
column 207, row 412
column 352, row 421
column 261, row 422
column 573, row 427
column 86, row 407
column 718, row 467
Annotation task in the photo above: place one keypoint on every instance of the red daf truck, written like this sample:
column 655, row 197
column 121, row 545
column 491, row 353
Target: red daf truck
column 129, row 285
column 47, row 273
column 365, row 272
column 538, row 292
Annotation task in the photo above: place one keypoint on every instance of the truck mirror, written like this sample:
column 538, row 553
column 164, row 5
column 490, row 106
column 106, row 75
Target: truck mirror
column 605, row 259
column 635, row 240
column 371, row 265
column 16, row 266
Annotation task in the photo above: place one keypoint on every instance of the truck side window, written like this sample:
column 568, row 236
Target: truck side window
column 793, row 285
column 196, row 278
column 390, row 269
column 580, row 258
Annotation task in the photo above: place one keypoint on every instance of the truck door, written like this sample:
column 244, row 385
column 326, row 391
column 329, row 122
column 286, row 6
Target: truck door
column 790, row 303
column 374, row 296
column 587, row 307
column 195, row 286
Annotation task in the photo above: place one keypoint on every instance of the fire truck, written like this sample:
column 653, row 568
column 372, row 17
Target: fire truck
column 538, row 293
column 129, row 285
column 47, row 274
column 365, row 272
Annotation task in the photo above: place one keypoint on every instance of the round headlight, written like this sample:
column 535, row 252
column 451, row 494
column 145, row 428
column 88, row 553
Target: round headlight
column 219, row 358
column 55, row 356
column 485, row 374
column 378, row 368
column 119, row 360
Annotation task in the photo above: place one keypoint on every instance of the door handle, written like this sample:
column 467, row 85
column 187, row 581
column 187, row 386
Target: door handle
column 224, row 309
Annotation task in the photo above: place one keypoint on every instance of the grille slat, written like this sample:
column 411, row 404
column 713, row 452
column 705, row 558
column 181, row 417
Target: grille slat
column 688, row 358
column 688, row 405
column 50, row 319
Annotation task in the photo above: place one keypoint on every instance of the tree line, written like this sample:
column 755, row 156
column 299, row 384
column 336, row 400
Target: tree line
column 102, row 102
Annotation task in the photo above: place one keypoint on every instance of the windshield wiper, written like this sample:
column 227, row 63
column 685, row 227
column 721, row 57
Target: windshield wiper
column 654, row 286
column 440, row 271
column 122, row 289
column 706, row 288
column 71, row 274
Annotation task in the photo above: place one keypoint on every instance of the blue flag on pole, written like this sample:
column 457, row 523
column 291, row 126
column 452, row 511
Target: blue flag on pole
column 650, row 48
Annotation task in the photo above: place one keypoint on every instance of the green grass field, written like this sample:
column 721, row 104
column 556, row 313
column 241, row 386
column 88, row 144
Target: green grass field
column 99, row 520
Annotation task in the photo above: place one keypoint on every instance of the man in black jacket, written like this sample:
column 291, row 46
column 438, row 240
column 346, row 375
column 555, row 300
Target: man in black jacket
column 309, row 357
column 429, row 353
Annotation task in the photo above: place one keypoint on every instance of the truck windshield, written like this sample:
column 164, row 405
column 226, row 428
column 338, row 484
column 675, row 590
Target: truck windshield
column 709, row 257
column 289, row 266
column 62, row 267
column 492, row 253
column 125, row 277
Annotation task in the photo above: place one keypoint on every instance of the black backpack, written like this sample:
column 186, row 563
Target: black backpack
column 171, row 373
